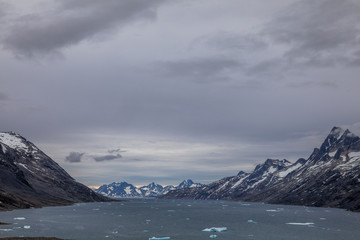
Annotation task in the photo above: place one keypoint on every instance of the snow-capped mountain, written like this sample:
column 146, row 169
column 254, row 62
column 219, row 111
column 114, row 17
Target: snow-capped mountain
column 29, row 178
column 126, row 190
column 330, row 177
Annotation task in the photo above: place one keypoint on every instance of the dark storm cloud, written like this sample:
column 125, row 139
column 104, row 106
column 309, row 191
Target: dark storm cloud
column 318, row 33
column 72, row 21
column 74, row 157
column 201, row 70
column 107, row 157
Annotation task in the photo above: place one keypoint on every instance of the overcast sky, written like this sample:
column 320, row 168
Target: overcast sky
column 160, row 90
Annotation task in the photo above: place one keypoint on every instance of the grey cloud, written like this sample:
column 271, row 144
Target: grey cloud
column 229, row 41
column 318, row 32
column 118, row 150
column 72, row 22
column 74, row 157
column 107, row 157
column 3, row 9
column 202, row 70
column 306, row 34
column 3, row 97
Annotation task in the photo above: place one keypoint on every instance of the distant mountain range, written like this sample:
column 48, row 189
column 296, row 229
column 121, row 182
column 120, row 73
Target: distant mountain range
column 29, row 178
column 126, row 190
column 330, row 177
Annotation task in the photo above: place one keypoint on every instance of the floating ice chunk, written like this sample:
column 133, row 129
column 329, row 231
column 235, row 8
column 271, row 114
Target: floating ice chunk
column 27, row 227
column 19, row 218
column 300, row 224
column 187, row 219
column 6, row 230
column 213, row 236
column 96, row 209
column 322, row 218
column 245, row 204
column 215, row 229
column 272, row 210
column 159, row 238
column 251, row 221
column 16, row 228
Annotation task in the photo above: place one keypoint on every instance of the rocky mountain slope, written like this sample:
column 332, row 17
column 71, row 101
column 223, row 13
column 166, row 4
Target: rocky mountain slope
column 29, row 178
column 126, row 190
column 330, row 177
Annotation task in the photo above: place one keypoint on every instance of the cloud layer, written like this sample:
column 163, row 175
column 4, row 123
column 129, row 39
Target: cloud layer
column 70, row 22
column 189, row 89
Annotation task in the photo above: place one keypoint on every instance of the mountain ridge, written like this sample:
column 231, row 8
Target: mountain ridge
column 330, row 177
column 126, row 190
column 30, row 178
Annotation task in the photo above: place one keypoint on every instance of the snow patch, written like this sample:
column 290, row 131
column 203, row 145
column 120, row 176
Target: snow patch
column 13, row 141
column 354, row 155
column 128, row 190
column 283, row 174
column 24, row 166
column 272, row 170
column 239, row 182
column 332, row 154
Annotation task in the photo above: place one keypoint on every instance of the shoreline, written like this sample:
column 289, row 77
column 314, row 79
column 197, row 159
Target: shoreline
column 31, row 238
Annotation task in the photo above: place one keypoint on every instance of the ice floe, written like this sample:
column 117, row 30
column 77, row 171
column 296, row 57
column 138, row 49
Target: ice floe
column 27, row 227
column 213, row 236
column 19, row 218
column 300, row 224
column 215, row 229
column 159, row 238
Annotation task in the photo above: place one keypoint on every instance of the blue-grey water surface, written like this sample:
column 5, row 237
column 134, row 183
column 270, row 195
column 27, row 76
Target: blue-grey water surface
column 180, row 220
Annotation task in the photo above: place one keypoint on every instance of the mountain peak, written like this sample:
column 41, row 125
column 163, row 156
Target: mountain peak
column 241, row 173
column 33, row 179
column 337, row 131
column 336, row 144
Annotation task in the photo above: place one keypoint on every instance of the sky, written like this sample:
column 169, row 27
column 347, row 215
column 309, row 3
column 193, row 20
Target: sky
column 160, row 90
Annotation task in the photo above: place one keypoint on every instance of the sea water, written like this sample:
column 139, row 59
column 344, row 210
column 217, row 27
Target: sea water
column 182, row 220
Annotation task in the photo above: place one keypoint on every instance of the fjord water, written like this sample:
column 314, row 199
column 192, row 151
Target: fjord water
column 182, row 219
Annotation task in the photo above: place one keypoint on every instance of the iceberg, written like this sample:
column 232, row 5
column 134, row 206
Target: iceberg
column 213, row 236
column 300, row 224
column 215, row 229
column 159, row 238
column 27, row 227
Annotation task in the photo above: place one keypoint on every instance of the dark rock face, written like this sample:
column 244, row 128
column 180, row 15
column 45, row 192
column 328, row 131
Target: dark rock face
column 126, row 190
column 29, row 178
column 330, row 177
